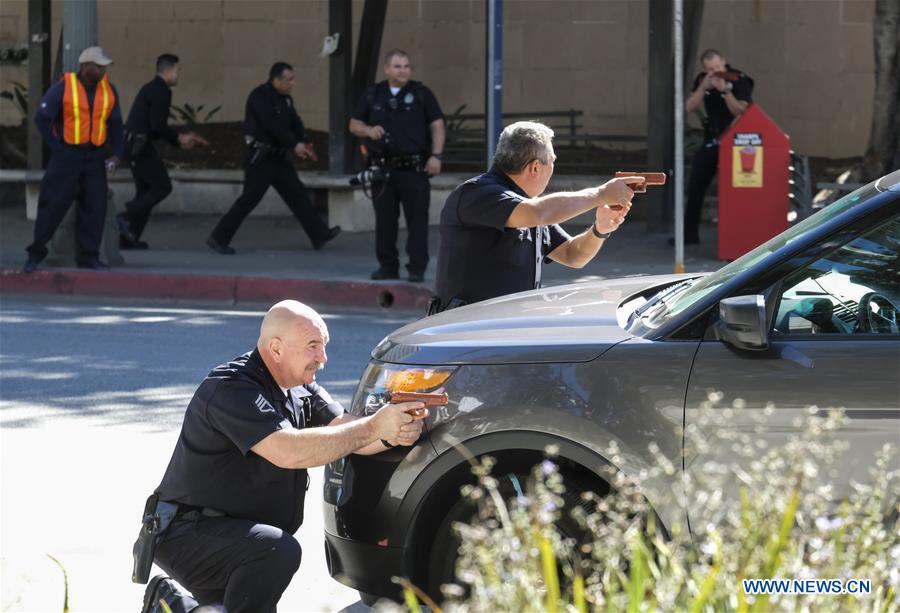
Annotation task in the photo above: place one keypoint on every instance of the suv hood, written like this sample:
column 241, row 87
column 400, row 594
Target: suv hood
column 565, row 323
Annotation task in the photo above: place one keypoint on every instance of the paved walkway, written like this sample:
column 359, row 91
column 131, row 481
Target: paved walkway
column 274, row 259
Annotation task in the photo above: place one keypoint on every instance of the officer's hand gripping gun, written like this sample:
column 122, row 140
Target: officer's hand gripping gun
column 433, row 399
column 650, row 178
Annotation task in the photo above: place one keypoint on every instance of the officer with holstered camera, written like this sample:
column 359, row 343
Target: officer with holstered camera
column 222, row 521
column 149, row 121
column 272, row 129
column 403, row 127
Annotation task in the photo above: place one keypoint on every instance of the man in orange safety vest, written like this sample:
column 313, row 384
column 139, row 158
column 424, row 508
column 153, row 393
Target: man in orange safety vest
column 80, row 120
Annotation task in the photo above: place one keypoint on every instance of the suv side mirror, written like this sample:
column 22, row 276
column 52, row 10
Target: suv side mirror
column 742, row 322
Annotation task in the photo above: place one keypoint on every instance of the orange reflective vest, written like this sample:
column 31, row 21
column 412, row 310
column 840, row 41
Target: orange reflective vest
column 82, row 124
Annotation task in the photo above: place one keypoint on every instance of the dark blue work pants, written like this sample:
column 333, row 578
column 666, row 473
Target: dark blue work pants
column 72, row 172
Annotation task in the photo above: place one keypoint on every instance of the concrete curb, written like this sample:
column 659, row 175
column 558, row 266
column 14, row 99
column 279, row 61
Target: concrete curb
column 236, row 289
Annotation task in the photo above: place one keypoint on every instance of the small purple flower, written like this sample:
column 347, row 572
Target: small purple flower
column 547, row 468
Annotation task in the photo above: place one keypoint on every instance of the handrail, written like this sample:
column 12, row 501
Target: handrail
column 476, row 135
column 521, row 115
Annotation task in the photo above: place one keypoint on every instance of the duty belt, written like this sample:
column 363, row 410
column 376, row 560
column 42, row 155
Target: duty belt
column 263, row 147
column 186, row 509
column 399, row 162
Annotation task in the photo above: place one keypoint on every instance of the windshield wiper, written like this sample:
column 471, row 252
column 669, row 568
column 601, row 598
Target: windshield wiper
column 656, row 298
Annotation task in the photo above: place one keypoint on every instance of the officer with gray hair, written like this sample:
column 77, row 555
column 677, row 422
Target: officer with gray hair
column 497, row 228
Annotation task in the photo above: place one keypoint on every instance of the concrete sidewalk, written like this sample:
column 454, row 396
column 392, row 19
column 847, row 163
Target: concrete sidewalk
column 275, row 260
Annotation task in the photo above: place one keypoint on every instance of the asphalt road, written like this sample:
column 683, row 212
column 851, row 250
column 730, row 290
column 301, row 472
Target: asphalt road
column 91, row 400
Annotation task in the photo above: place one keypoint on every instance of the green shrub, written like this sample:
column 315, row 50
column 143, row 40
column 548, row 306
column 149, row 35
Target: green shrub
column 191, row 115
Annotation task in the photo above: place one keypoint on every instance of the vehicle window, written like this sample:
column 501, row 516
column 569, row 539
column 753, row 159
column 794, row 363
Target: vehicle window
column 658, row 313
column 854, row 290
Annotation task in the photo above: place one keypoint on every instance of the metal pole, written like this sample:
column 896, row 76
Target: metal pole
column 368, row 50
column 79, row 30
column 368, row 47
column 38, row 76
column 493, row 108
column 660, row 98
column 339, row 87
column 679, row 136
column 693, row 20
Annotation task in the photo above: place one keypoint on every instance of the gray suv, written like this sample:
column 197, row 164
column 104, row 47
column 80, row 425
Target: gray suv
column 808, row 318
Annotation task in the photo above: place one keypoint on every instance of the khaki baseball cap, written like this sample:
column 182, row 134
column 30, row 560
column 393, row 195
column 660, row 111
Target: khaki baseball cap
column 95, row 55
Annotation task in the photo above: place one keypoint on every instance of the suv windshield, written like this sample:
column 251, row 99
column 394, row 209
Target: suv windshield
column 668, row 303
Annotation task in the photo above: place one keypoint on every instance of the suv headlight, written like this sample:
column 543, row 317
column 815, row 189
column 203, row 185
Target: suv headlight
column 381, row 378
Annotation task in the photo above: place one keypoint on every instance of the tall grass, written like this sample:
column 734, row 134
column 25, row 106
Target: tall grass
column 767, row 513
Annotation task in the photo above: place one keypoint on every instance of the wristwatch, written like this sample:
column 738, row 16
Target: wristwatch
column 599, row 234
column 439, row 156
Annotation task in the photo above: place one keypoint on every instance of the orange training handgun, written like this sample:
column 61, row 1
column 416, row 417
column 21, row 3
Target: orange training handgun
column 728, row 75
column 434, row 399
column 650, row 178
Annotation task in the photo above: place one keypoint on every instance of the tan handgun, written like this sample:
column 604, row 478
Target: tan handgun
column 650, row 178
column 434, row 399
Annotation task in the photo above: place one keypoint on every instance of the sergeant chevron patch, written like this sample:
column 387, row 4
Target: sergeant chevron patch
column 263, row 405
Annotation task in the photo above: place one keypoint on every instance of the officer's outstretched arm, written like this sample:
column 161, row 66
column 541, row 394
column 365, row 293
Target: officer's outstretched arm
column 552, row 208
column 293, row 448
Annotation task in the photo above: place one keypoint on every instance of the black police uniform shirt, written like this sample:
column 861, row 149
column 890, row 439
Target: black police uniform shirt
column 405, row 116
column 150, row 112
column 718, row 117
column 479, row 257
column 271, row 118
column 237, row 406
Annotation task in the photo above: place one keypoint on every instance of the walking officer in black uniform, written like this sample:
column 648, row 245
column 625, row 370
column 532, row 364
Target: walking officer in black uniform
column 725, row 94
column 233, row 493
column 403, row 127
column 80, row 120
column 272, row 129
column 148, row 122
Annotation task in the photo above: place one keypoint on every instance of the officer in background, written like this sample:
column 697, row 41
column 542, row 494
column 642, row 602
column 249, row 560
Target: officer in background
column 497, row 229
column 148, row 122
column 80, row 121
column 272, row 129
column 403, row 127
column 235, row 486
column 725, row 94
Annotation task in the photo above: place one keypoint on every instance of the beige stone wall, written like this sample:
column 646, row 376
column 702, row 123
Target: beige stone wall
column 812, row 59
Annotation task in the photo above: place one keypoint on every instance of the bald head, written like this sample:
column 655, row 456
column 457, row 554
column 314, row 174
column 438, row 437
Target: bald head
column 292, row 341
column 284, row 317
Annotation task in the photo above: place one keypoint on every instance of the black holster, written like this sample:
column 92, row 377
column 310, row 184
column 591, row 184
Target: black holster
column 258, row 149
column 136, row 143
column 156, row 518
